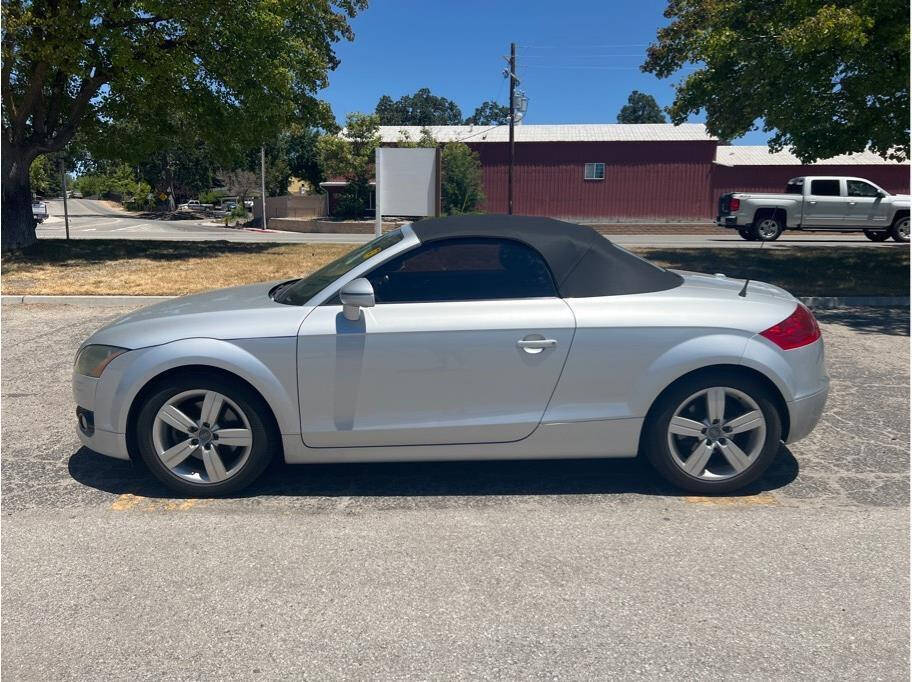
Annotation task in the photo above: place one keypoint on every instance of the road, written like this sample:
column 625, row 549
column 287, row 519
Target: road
column 485, row 570
column 91, row 219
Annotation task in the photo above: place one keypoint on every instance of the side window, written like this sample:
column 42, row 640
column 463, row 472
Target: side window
column 471, row 269
column 860, row 188
column 825, row 188
column 594, row 171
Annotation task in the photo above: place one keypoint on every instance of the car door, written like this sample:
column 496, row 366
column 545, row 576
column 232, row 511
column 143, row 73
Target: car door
column 465, row 344
column 865, row 206
column 824, row 204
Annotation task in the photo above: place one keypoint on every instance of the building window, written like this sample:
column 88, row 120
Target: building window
column 594, row 171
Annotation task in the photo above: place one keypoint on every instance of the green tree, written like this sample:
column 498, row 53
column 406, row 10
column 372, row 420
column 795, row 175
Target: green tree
column 426, row 139
column 351, row 155
column 825, row 77
column 235, row 71
column 489, row 113
column 641, row 108
column 462, row 180
column 420, row 109
column 303, row 158
column 44, row 177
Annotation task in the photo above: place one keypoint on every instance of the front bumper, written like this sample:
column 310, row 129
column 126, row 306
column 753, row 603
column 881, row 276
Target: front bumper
column 100, row 440
column 804, row 414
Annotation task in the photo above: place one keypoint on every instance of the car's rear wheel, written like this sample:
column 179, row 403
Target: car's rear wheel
column 713, row 433
column 746, row 233
column 205, row 436
column 900, row 229
column 877, row 236
column 767, row 229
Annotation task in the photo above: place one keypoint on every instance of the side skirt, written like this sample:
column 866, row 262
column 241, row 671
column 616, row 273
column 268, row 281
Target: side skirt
column 565, row 440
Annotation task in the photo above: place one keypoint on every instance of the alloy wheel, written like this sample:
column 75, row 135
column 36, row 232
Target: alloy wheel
column 902, row 228
column 716, row 433
column 202, row 436
column 768, row 228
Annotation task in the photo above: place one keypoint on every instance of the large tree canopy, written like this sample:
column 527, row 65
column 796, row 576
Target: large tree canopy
column 640, row 108
column 489, row 113
column 420, row 109
column 234, row 71
column 826, row 76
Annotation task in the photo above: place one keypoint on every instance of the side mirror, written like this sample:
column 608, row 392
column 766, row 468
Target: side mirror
column 355, row 295
column 881, row 194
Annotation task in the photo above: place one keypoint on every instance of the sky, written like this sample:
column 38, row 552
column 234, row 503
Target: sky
column 578, row 61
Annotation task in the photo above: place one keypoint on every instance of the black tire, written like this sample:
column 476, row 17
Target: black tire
column 265, row 440
column 655, row 436
column 899, row 230
column 767, row 228
column 877, row 236
column 746, row 233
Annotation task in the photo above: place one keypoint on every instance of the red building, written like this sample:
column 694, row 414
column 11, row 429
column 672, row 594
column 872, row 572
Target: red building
column 632, row 172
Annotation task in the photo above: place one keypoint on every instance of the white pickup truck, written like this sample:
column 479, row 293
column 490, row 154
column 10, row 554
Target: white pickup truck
column 838, row 204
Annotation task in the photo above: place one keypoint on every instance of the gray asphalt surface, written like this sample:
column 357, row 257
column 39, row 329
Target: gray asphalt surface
column 487, row 570
column 91, row 219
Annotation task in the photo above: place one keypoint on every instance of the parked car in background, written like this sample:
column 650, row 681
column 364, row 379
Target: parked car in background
column 839, row 204
column 39, row 211
column 248, row 204
column 192, row 205
column 471, row 337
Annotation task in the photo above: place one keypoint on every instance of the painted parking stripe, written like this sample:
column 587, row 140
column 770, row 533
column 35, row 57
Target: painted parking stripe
column 762, row 499
column 131, row 502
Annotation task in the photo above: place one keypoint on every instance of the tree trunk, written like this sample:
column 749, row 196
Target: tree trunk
column 17, row 224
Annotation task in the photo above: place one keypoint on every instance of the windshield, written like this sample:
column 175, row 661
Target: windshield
column 305, row 289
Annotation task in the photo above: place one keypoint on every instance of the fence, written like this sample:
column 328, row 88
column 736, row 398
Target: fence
column 291, row 206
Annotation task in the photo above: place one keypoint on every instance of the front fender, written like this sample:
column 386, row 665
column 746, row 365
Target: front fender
column 125, row 377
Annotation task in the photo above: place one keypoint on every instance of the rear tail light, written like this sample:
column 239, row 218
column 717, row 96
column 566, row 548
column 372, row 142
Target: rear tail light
column 734, row 204
column 797, row 330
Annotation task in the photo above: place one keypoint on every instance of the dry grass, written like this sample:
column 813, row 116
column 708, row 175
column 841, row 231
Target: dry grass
column 155, row 268
column 54, row 266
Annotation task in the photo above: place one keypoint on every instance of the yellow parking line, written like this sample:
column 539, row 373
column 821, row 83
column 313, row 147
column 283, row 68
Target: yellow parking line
column 762, row 499
column 128, row 501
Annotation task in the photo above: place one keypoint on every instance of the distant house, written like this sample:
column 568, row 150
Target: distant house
column 629, row 172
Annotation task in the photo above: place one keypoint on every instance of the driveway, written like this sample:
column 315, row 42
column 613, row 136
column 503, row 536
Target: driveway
column 491, row 570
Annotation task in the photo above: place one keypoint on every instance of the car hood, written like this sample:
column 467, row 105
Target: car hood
column 234, row 313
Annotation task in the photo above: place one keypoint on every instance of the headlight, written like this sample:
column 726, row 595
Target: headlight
column 92, row 360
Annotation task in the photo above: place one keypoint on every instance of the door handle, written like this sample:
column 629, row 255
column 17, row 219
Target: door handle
column 852, row 203
column 536, row 344
column 812, row 203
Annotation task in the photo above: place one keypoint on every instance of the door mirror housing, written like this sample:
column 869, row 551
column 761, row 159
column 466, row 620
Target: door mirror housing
column 881, row 194
column 355, row 295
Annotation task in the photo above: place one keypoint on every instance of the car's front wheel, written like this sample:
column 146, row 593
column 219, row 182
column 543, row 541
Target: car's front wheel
column 205, row 435
column 900, row 229
column 713, row 433
column 877, row 236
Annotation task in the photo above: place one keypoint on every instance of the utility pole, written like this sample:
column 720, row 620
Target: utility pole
column 66, row 213
column 263, row 181
column 513, row 79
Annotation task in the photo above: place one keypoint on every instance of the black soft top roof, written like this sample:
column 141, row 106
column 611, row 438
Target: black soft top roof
column 582, row 261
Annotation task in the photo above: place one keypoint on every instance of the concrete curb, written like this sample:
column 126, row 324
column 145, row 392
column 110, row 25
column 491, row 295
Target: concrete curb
column 811, row 301
column 850, row 301
column 85, row 300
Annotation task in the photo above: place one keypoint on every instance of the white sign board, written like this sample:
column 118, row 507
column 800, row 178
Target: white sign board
column 406, row 181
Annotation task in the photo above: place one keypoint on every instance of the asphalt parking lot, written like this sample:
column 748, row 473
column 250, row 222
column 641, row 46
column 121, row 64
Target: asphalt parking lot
column 484, row 570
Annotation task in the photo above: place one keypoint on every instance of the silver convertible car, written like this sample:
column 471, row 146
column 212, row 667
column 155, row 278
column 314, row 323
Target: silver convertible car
column 473, row 337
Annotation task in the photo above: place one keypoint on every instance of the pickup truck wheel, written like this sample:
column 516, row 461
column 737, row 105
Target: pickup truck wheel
column 746, row 234
column 900, row 229
column 877, row 236
column 767, row 229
